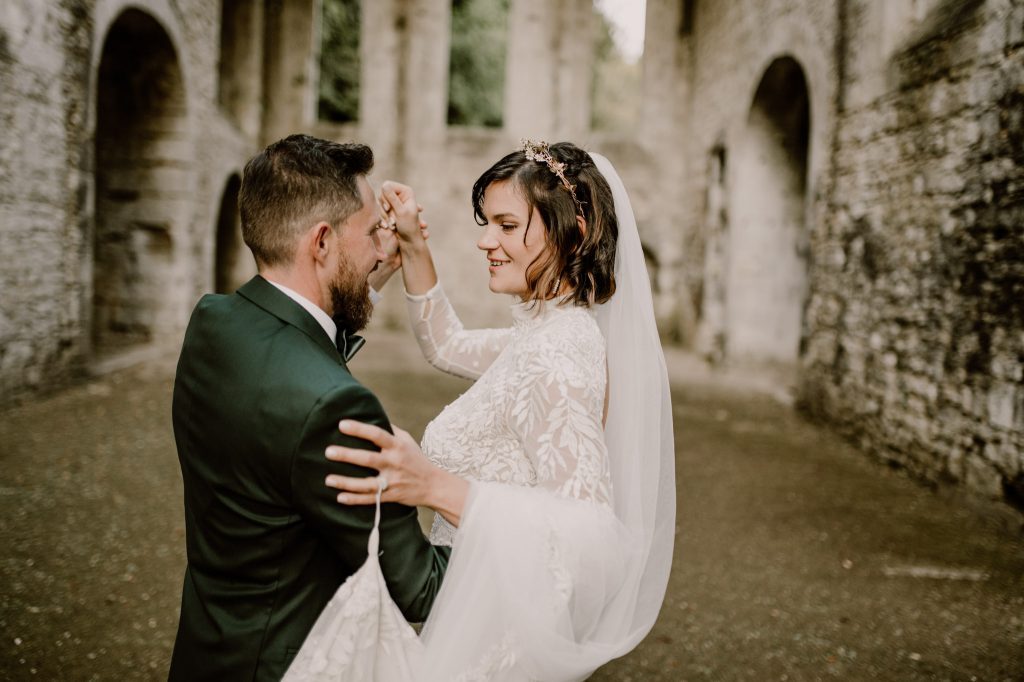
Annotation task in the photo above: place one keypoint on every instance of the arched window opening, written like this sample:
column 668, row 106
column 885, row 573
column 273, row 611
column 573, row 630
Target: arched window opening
column 339, row 61
column 767, row 279
column 142, row 182
column 615, row 90
column 476, row 80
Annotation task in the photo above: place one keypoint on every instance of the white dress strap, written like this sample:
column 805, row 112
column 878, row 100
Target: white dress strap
column 361, row 634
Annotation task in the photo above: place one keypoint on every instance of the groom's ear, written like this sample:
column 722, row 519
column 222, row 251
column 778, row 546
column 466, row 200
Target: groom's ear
column 321, row 241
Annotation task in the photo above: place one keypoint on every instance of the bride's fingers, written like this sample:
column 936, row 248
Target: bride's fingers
column 353, row 499
column 374, row 434
column 393, row 198
column 357, row 456
column 352, row 484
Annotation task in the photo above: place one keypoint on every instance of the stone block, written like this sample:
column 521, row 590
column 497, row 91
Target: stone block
column 983, row 477
column 1002, row 400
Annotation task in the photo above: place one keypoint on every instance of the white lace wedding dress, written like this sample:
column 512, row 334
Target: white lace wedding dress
column 533, row 417
column 563, row 552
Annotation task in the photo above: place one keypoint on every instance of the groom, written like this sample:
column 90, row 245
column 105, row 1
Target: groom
column 261, row 385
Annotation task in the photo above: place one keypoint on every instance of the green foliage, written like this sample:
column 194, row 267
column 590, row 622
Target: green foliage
column 477, row 68
column 339, row 61
column 616, row 85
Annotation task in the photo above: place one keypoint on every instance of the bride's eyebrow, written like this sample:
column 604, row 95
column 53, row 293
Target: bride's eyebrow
column 498, row 217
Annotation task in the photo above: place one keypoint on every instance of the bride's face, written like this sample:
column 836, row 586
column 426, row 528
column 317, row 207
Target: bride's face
column 509, row 246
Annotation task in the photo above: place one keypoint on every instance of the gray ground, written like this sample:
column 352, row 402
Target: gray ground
column 797, row 558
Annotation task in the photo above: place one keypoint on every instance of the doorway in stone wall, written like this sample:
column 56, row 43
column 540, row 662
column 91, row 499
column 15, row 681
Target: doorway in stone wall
column 234, row 264
column 142, row 190
column 767, row 270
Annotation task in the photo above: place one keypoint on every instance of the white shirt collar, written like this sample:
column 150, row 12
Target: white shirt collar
column 313, row 309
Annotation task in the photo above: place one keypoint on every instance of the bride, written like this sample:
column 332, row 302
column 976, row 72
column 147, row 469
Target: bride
column 553, row 475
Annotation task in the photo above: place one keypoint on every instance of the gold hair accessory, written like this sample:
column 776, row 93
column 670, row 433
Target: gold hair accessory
column 539, row 151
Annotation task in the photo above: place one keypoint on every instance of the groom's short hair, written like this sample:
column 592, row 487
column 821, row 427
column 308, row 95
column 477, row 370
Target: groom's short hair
column 294, row 184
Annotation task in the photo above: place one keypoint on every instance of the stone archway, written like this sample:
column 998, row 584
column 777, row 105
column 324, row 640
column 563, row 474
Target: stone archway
column 142, row 183
column 767, row 272
column 233, row 263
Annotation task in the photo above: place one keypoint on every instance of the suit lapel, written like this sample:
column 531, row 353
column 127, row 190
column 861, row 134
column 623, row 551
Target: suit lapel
column 274, row 301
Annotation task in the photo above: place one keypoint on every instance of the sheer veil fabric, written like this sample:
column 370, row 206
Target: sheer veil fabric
column 540, row 586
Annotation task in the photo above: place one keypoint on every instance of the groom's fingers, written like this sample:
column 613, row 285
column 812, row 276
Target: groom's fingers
column 374, row 434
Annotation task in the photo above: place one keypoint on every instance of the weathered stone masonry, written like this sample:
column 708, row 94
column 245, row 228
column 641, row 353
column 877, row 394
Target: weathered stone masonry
column 916, row 346
column 830, row 187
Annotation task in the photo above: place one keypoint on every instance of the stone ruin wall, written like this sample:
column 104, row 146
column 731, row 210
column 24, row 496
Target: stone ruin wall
column 896, row 238
column 129, row 126
column 917, row 314
column 41, row 111
column 118, row 158
column 414, row 144
column 745, row 239
column 908, row 335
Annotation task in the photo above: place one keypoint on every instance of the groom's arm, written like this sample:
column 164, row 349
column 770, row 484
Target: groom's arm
column 412, row 567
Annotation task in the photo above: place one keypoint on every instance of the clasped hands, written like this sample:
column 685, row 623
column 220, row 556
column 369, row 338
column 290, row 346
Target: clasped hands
column 404, row 474
column 401, row 223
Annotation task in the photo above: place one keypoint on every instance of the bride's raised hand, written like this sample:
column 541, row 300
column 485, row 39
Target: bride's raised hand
column 389, row 222
column 404, row 211
column 405, row 475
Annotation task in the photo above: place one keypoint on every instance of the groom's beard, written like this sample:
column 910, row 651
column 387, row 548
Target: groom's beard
column 350, row 296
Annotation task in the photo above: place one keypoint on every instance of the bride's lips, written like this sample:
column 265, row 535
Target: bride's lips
column 495, row 263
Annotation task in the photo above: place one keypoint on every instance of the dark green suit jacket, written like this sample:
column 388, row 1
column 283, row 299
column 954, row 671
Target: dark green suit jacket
column 258, row 394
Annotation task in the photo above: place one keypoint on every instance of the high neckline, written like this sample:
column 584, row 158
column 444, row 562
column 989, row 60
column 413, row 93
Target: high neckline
column 530, row 313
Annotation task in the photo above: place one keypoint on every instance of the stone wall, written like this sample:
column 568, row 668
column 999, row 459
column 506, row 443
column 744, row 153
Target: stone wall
column 917, row 314
column 43, row 64
column 849, row 210
column 758, row 121
column 832, row 188
column 124, row 129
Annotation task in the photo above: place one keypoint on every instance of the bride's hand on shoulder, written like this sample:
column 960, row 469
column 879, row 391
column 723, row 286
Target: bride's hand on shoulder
column 403, row 212
column 402, row 468
column 404, row 473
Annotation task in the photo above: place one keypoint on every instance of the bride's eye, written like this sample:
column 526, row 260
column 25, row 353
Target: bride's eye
column 508, row 227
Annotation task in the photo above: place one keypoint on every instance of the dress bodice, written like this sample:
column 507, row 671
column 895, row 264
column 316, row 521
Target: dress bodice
column 533, row 415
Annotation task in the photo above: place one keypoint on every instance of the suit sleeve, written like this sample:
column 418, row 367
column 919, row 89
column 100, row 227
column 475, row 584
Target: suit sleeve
column 412, row 567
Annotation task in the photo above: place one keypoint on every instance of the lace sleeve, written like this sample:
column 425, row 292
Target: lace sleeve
column 444, row 342
column 556, row 414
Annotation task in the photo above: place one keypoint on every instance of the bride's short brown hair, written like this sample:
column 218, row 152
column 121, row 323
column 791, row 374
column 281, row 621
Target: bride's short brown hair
column 584, row 259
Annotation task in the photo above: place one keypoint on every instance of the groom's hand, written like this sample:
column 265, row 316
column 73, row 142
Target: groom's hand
column 392, row 260
column 405, row 475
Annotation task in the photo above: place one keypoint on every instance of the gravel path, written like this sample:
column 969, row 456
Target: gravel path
column 797, row 558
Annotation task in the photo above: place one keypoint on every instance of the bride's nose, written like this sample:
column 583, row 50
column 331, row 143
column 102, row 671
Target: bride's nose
column 487, row 241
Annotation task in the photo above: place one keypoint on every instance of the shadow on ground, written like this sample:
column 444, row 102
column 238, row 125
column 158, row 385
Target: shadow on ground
column 797, row 558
